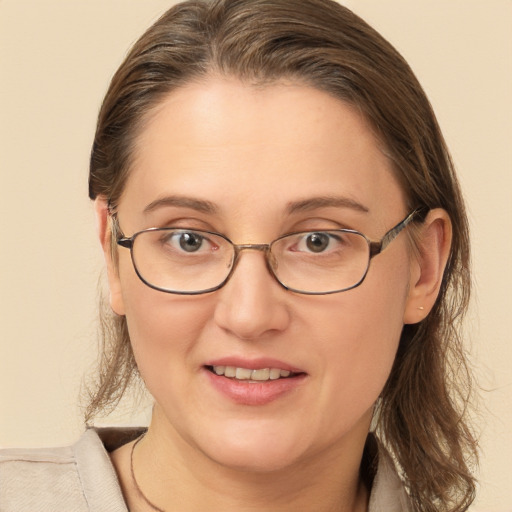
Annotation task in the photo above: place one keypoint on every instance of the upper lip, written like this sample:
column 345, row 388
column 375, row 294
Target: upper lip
column 253, row 364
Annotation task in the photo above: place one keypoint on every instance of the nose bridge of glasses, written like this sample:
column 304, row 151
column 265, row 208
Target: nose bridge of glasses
column 256, row 247
column 264, row 248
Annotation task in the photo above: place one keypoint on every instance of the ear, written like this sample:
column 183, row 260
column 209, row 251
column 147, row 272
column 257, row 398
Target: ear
column 429, row 262
column 105, row 236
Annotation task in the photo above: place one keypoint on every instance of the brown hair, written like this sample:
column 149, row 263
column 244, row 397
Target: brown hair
column 421, row 413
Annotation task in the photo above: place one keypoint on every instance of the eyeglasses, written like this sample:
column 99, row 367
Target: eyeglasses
column 193, row 261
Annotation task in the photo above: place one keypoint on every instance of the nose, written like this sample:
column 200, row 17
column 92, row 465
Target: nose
column 252, row 304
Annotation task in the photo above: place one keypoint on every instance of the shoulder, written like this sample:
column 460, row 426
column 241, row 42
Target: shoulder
column 79, row 478
column 388, row 492
column 46, row 477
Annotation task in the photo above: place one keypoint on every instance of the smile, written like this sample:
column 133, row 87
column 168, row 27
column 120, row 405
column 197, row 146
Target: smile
column 258, row 375
column 254, row 382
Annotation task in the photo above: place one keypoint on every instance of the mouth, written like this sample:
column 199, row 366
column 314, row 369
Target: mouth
column 254, row 382
column 251, row 375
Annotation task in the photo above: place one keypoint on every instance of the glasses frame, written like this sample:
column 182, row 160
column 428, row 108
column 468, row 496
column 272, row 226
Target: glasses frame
column 375, row 247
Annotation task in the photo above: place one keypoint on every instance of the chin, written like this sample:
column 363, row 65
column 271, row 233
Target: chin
column 254, row 460
column 258, row 452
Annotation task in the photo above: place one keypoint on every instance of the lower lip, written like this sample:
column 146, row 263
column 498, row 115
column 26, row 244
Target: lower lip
column 254, row 393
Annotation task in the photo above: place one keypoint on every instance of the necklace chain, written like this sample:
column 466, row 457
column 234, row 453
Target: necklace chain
column 139, row 490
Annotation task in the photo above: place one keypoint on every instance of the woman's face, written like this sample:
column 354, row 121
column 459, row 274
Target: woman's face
column 254, row 163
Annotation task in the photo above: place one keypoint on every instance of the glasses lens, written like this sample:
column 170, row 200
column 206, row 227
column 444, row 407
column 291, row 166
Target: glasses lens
column 321, row 261
column 195, row 261
column 182, row 260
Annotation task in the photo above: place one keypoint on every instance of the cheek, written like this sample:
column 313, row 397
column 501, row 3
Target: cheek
column 364, row 331
column 164, row 335
column 164, row 329
column 360, row 348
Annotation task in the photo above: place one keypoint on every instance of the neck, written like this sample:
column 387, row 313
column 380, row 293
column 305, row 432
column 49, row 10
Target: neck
column 176, row 476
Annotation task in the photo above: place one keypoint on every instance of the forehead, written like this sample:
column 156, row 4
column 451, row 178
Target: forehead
column 227, row 112
column 230, row 143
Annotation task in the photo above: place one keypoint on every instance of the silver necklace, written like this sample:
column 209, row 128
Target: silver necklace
column 139, row 490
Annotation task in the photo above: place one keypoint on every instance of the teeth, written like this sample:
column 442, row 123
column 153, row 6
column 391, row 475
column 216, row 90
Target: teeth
column 262, row 374
column 275, row 373
column 230, row 371
column 243, row 374
column 219, row 370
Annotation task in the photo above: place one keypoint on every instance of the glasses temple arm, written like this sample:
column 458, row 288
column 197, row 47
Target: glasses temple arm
column 377, row 247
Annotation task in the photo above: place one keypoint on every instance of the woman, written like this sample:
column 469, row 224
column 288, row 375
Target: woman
column 287, row 254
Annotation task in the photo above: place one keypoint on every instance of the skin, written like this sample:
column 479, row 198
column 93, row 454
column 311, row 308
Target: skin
column 252, row 152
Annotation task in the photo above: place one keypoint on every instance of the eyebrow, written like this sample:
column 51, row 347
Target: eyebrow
column 183, row 202
column 304, row 205
column 314, row 203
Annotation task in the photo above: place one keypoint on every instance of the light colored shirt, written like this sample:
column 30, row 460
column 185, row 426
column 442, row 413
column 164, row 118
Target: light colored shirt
column 81, row 478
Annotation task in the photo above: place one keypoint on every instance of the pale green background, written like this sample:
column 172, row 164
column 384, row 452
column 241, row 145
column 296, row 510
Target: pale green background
column 56, row 58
